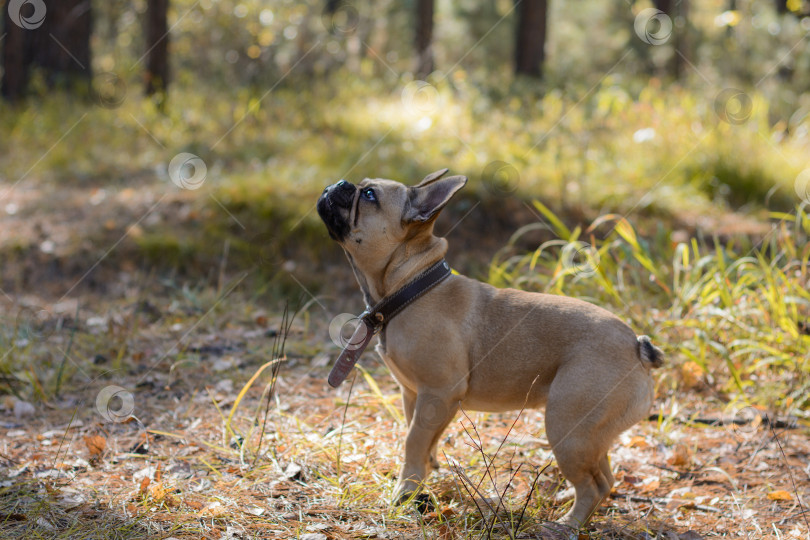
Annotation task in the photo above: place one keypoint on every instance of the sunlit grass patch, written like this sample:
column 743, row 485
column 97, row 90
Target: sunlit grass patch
column 736, row 311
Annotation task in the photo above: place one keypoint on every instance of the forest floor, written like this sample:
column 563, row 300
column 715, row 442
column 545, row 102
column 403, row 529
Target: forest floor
column 198, row 460
column 199, row 451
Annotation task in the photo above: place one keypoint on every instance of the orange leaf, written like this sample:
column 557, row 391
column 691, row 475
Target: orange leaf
column 638, row 442
column 691, row 373
column 144, row 484
column 651, row 486
column 157, row 491
column 95, row 444
column 780, row 495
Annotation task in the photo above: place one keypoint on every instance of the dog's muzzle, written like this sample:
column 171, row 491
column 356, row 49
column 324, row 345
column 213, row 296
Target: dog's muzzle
column 334, row 206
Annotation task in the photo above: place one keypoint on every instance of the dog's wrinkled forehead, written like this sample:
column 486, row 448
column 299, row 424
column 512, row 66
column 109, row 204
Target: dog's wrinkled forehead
column 386, row 193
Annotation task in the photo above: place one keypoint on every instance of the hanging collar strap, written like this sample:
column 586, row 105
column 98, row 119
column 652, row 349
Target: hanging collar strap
column 375, row 318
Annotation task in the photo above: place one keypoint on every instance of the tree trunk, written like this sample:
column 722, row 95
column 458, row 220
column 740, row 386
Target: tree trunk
column 157, row 47
column 59, row 43
column 532, row 19
column 15, row 67
column 680, row 33
column 424, row 38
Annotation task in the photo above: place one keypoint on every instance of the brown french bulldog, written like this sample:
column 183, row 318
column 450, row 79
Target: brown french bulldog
column 466, row 344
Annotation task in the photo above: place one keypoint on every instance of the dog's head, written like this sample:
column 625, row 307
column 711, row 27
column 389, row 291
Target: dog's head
column 374, row 218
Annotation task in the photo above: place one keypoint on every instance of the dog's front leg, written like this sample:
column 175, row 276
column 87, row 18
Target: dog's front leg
column 408, row 405
column 432, row 412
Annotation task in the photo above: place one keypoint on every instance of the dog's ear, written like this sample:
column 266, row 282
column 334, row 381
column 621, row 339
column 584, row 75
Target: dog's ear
column 432, row 177
column 425, row 200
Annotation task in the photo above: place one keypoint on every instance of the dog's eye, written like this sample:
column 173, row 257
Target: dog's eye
column 368, row 194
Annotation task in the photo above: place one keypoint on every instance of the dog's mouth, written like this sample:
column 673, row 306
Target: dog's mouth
column 335, row 207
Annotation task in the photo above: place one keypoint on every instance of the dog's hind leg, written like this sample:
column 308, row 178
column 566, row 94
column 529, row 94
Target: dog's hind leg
column 580, row 442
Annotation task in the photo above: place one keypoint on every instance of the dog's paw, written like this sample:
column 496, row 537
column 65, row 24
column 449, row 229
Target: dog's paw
column 552, row 530
column 404, row 493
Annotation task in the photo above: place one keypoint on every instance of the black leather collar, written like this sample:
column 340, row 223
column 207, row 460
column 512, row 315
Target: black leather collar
column 376, row 317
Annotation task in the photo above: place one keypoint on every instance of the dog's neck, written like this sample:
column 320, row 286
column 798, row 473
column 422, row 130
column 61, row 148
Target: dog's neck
column 405, row 263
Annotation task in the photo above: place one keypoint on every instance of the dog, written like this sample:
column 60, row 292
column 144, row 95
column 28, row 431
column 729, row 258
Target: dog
column 466, row 344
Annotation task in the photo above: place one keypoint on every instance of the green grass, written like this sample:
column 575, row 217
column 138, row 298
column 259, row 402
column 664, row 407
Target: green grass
column 739, row 310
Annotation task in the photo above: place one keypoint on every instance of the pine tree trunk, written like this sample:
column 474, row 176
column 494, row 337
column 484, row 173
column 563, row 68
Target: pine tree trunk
column 424, row 38
column 680, row 35
column 15, row 67
column 532, row 19
column 60, row 44
column 157, row 47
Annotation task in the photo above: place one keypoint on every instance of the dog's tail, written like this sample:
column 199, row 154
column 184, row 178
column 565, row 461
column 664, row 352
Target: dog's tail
column 649, row 353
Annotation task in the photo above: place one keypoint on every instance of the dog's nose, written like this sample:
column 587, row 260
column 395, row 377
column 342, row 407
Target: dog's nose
column 340, row 183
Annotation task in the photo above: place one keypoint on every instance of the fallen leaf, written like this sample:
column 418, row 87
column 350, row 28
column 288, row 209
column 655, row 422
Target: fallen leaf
column 780, row 495
column 144, row 485
column 681, row 456
column 638, row 442
column 213, row 509
column 632, row 480
column 651, row 485
column 95, row 444
column 193, row 504
column 691, row 373
column 157, row 491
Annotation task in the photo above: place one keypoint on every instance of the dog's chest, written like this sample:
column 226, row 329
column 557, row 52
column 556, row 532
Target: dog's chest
column 389, row 359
